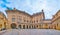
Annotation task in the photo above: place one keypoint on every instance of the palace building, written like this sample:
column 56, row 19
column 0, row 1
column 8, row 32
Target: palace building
column 3, row 21
column 23, row 20
column 56, row 21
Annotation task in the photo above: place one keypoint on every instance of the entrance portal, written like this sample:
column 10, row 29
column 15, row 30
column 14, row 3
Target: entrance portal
column 20, row 26
column 13, row 26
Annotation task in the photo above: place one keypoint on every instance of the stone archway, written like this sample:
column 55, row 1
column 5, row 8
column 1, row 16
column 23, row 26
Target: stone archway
column 5, row 24
column 20, row 26
column 13, row 26
column 0, row 25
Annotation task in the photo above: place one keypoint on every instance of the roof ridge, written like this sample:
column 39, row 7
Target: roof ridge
column 26, row 12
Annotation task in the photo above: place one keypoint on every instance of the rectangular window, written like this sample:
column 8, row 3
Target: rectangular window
column 24, row 20
column 13, row 19
column 27, row 20
column 19, row 19
column 37, row 21
column 34, row 21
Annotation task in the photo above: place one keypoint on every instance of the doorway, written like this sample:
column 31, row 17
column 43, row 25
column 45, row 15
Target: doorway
column 13, row 26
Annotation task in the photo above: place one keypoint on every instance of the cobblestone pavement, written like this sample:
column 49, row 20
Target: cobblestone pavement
column 1, row 32
column 31, row 32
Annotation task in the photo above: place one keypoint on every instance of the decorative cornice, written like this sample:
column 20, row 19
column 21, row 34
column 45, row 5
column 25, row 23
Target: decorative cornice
column 56, row 13
column 36, row 14
column 55, row 18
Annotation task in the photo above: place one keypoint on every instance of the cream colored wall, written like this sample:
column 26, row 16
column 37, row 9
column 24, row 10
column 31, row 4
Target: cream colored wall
column 56, row 21
column 28, row 18
column 2, row 21
column 38, row 18
column 16, row 15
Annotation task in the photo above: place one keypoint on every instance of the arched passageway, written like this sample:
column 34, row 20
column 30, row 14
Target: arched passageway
column 20, row 26
column 13, row 26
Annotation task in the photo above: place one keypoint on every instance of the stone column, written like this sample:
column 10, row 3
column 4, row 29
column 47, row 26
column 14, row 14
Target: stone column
column 25, row 26
column 28, row 26
column 22, row 26
column 31, row 26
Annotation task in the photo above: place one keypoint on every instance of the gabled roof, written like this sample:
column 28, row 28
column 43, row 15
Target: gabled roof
column 57, row 12
column 1, row 13
column 25, row 12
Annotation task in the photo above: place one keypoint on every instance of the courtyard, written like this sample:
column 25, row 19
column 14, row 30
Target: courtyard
column 30, row 32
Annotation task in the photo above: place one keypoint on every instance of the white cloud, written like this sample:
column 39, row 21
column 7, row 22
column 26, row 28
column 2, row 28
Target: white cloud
column 33, row 6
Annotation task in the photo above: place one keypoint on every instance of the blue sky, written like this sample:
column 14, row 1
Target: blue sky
column 50, row 7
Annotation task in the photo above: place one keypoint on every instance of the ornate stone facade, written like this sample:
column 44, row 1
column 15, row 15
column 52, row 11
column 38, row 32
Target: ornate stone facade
column 22, row 20
column 3, row 21
column 56, row 21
